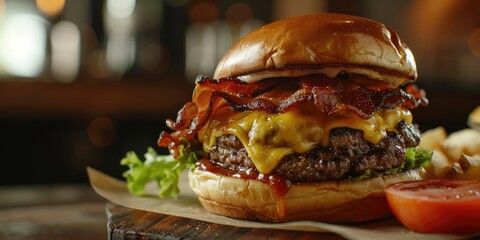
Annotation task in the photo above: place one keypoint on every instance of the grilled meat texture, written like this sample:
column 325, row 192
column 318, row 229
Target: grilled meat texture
column 347, row 154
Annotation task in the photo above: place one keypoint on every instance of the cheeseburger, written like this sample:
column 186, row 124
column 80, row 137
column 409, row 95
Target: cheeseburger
column 306, row 118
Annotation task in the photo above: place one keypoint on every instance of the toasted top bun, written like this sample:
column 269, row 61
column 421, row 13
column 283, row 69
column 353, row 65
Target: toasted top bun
column 329, row 201
column 320, row 43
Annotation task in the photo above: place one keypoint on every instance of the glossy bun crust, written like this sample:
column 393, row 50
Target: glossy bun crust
column 320, row 41
column 330, row 201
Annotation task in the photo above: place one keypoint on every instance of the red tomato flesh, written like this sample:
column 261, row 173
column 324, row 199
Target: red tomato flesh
column 437, row 206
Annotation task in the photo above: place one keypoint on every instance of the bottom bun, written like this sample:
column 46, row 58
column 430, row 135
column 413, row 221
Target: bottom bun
column 329, row 201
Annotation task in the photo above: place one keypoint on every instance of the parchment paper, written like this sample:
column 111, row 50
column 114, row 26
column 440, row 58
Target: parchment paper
column 187, row 205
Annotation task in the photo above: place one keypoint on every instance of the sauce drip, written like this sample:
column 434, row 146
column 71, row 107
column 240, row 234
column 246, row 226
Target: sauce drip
column 279, row 184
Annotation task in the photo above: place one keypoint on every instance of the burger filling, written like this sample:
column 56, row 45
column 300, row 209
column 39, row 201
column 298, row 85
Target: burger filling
column 307, row 129
column 268, row 138
column 348, row 154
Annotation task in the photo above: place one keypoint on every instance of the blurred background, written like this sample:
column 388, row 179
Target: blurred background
column 84, row 81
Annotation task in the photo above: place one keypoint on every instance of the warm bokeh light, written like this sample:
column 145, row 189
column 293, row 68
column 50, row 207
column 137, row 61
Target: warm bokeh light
column 101, row 132
column 474, row 42
column 238, row 13
column 239, row 17
column 288, row 8
column 65, row 42
column 2, row 6
column 23, row 45
column 50, row 7
column 203, row 12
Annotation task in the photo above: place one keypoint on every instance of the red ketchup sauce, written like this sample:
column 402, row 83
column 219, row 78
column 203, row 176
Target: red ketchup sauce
column 279, row 184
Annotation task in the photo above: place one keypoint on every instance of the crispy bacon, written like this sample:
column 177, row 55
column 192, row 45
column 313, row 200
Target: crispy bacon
column 248, row 104
column 329, row 95
column 233, row 85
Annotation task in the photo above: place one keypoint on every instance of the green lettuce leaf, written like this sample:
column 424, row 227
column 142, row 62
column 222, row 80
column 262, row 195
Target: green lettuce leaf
column 413, row 158
column 165, row 170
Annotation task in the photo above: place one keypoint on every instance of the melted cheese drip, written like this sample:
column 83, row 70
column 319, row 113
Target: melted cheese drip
column 269, row 137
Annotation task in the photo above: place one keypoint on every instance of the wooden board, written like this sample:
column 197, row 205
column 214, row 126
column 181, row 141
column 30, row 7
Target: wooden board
column 127, row 223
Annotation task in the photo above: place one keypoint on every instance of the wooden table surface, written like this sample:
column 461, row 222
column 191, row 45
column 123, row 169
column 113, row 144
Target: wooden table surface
column 76, row 212
column 126, row 223
column 51, row 212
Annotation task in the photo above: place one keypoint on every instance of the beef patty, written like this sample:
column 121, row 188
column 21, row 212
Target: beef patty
column 347, row 154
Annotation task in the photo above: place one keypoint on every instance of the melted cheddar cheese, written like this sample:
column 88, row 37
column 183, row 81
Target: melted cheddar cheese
column 268, row 137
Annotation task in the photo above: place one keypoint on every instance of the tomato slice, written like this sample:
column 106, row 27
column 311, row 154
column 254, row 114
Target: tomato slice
column 437, row 206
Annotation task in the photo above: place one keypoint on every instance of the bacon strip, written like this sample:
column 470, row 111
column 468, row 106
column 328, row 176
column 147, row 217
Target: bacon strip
column 234, row 86
column 275, row 96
